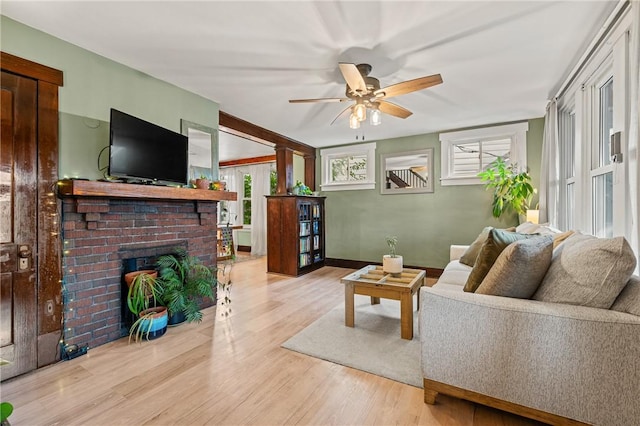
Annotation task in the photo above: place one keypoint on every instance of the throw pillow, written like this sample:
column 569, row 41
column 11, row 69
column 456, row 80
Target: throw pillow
column 629, row 299
column 560, row 238
column 588, row 271
column 497, row 240
column 470, row 255
column 519, row 269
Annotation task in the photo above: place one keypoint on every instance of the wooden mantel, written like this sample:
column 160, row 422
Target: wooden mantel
column 91, row 188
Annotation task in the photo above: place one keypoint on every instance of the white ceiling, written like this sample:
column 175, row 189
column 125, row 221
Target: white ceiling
column 500, row 60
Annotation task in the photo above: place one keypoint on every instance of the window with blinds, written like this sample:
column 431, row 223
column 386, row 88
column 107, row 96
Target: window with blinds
column 465, row 154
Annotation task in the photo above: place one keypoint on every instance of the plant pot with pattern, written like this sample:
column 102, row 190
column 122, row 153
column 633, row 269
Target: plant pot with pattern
column 144, row 290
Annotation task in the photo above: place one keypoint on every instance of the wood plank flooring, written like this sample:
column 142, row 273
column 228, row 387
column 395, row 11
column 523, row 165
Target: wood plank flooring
column 232, row 371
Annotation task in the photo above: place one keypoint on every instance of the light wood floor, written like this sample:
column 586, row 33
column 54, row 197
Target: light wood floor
column 232, row 371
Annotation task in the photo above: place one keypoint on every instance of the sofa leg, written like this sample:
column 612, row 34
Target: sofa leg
column 430, row 396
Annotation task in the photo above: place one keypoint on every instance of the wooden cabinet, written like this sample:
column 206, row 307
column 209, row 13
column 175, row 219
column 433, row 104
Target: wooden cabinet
column 295, row 234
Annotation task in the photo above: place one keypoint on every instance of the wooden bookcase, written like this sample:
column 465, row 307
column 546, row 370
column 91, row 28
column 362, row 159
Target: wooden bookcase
column 295, row 234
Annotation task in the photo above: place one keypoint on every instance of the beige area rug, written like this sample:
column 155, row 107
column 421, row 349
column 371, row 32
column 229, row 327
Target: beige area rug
column 373, row 345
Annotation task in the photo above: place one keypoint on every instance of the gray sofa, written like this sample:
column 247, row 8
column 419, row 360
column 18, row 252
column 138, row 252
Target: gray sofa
column 554, row 362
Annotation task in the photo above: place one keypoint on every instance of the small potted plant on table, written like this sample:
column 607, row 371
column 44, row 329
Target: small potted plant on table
column 392, row 262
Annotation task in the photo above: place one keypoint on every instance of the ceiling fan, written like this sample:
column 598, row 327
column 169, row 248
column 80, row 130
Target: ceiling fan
column 367, row 94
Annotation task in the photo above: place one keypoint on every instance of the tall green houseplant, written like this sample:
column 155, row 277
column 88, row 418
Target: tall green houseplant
column 512, row 190
column 185, row 280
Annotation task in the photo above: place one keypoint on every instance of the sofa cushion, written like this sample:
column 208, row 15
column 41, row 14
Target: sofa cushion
column 497, row 240
column 455, row 273
column 470, row 255
column 519, row 269
column 629, row 298
column 588, row 271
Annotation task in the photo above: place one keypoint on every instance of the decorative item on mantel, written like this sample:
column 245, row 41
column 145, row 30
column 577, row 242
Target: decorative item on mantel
column 218, row 185
column 203, row 182
column 392, row 263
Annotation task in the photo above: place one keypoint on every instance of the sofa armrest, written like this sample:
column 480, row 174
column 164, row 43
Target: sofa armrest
column 456, row 251
column 572, row 361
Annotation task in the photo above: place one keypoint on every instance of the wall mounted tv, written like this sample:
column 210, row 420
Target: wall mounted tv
column 144, row 152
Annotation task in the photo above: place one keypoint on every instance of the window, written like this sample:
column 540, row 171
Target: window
column 601, row 169
column 567, row 146
column 596, row 103
column 246, row 200
column 349, row 167
column 465, row 153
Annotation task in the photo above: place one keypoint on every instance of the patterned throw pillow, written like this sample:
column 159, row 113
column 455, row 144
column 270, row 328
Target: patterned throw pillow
column 588, row 271
column 519, row 269
column 497, row 241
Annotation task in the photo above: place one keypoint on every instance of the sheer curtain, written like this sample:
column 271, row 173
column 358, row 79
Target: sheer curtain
column 259, row 188
column 549, row 169
column 634, row 132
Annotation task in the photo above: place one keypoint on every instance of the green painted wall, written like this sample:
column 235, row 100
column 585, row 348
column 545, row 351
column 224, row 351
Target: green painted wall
column 93, row 85
column 426, row 224
column 298, row 168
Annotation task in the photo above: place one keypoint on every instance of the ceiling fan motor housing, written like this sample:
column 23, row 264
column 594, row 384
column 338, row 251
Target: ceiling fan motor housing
column 372, row 84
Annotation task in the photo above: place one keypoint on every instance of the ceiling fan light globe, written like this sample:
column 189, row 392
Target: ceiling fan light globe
column 360, row 111
column 376, row 117
column 354, row 123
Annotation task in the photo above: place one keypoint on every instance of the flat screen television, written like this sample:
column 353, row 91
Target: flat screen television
column 145, row 152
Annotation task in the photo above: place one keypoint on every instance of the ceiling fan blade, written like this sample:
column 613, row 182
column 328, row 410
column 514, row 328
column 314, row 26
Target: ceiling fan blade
column 393, row 109
column 353, row 77
column 342, row 114
column 409, row 86
column 302, row 101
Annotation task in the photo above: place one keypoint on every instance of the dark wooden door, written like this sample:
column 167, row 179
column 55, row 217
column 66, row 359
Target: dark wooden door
column 18, row 206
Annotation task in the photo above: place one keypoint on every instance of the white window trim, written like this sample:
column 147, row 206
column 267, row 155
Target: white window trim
column 516, row 132
column 368, row 149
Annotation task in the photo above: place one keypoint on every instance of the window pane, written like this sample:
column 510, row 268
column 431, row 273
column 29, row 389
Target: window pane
column 603, row 205
column 606, row 122
column 494, row 149
column 246, row 212
column 571, row 207
column 567, row 141
column 247, row 186
column 346, row 169
column 465, row 159
column 358, row 167
column 273, row 182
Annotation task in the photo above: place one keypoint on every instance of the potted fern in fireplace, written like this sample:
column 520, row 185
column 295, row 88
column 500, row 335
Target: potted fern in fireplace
column 142, row 297
column 185, row 281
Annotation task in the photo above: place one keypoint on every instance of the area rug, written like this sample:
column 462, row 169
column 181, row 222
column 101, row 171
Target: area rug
column 373, row 345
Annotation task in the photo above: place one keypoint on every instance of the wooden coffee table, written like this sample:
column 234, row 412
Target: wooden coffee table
column 372, row 281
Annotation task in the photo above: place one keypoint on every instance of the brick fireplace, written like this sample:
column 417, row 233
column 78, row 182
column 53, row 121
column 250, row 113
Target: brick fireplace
column 102, row 230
